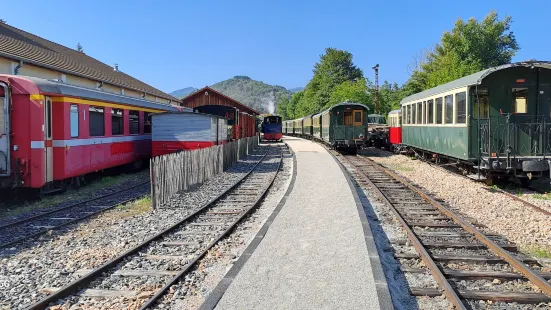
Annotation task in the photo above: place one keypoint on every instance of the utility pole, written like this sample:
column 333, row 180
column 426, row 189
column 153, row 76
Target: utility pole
column 376, row 100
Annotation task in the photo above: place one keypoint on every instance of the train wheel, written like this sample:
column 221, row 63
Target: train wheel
column 525, row 182
column 490, row 180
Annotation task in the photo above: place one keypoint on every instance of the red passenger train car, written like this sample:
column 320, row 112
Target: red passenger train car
column 395, row 132
column 177, row 131
column 51, row 132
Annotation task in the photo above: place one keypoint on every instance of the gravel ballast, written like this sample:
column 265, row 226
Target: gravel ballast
column 478, row 202
column 60, row 257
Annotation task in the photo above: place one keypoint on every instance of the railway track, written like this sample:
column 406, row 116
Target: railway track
column 454, row 171
column 24, row 229
column 468, row 265
column 141, row 276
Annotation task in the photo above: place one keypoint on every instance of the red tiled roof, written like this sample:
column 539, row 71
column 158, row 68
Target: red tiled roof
column 20, row 45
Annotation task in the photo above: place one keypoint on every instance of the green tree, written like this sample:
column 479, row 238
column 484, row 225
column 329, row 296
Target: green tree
column 333, row 68
column 292, row 106
column 281, row 108
column 470, row 47
column 354, row 91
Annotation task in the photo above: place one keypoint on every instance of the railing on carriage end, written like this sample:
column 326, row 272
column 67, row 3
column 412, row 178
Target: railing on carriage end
column 516, row 135
column 177, row 172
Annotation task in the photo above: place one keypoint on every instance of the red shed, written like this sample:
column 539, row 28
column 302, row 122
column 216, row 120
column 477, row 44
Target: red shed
column 241, row 118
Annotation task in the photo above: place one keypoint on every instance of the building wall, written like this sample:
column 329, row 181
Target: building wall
column 30, row 70
column 75, row 80
column 7, row 66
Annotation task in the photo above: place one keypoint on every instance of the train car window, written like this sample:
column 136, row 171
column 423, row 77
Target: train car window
column 116, row 122
column 147, row 122
column 97, row 121
column 2, row 115
column 419, row 113
column 424, row 112
column 430, row 108
column 484, row 106
column 358, row 118
column 404, row 114
column 74, row 120
column 461, row 108
column 134, row 122
column 49, row 118
column 449, row 109
column 413, row 108
column 439, row 110
column 520, row 97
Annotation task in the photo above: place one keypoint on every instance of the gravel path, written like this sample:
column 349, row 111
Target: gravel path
column 192, row 291
column 62, row 256
column 478, row 202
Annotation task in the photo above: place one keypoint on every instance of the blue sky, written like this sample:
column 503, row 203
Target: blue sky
column 175, row 44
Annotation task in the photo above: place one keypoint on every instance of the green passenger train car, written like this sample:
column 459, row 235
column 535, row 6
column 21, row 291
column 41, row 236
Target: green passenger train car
column 343, row 126
column 496, row 122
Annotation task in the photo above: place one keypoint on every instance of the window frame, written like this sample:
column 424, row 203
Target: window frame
column 430, row 111
column 90, row 113
column 456, row 107
column 441, row 114
column 71, row 123
column 354, row 122
column 130, row 122
column 49, row 118
column 446, row 110
column 121, row 126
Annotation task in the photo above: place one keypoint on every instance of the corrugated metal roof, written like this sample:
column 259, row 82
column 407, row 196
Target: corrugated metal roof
column 473, row 79
column 21, row 45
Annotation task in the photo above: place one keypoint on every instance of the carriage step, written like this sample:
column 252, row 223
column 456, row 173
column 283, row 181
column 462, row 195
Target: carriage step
column 476, row 177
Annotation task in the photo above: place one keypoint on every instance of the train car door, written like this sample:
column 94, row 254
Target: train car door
column 48, row 150
column 4, row 130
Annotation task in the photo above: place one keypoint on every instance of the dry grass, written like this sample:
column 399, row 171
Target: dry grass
column 538, row 252
column 136, row 207
column 69, row 195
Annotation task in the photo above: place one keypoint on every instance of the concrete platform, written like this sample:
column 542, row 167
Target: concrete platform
column 318, row 252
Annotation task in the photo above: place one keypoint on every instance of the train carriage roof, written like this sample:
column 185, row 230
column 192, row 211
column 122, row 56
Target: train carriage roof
column 55, row 87
column 473, row 79
column 347, row 103
column 398, row 111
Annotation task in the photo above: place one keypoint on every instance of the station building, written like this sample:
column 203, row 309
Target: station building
column 23, row 53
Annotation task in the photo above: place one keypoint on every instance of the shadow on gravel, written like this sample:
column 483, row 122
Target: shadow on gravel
column 397, row 284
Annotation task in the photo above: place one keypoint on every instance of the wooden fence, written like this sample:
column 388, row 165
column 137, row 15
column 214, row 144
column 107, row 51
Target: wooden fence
column 176, row 172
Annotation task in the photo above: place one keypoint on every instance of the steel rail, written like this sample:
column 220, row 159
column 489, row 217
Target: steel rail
column 226, row 232
column 76, row 204
column 38, row 233
column 520, row 267
column 529, row 204
column 76, row 285
column 450, row 293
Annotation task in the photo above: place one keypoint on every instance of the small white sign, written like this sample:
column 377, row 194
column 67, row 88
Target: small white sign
column 5, row 283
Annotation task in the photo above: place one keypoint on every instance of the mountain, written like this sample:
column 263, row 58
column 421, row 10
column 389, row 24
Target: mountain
column 255, row 94
column 183, row 92
column 296, row 89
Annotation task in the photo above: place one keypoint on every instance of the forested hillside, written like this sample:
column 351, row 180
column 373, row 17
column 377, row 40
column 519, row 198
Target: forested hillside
column 255, row 94
column 469, row 47
column 180, row 93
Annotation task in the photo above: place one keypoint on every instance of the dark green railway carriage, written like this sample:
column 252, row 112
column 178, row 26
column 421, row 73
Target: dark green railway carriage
column 343, row 126
column 497, row 121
